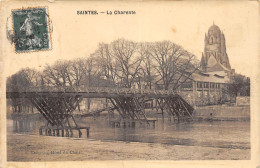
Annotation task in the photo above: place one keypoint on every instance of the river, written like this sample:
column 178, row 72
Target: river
column 221, row 134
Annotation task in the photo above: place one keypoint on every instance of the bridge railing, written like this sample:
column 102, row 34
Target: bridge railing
column 83, row 89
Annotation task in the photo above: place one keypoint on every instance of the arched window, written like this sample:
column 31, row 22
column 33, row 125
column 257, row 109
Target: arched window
column 211, row 40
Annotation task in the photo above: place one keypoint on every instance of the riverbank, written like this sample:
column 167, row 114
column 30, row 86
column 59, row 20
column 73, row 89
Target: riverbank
column 22, row 147
column 222, row 113
column 214, row 113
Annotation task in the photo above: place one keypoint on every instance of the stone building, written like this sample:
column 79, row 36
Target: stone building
column 208, row 85
column 215, row 54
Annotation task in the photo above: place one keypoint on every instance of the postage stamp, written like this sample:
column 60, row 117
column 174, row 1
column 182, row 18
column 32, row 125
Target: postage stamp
column 31, row 29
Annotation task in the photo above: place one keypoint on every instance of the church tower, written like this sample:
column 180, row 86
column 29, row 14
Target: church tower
column 214, row 50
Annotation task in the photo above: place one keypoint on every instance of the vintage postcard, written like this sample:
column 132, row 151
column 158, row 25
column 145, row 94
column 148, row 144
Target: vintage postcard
column 130, row 84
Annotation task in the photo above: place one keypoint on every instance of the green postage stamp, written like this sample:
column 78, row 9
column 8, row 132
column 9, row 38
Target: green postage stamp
column 31, row 29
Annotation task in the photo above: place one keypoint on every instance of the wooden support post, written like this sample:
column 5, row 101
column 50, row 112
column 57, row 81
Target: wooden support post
column 40, row 131
column 15, row 128
column 58, row 132
column 133, row 124
column 42, row 109
column 116, row 107
column 87, row 132
column 49, row 132
column 80, row 133
column 71, row 133
column 67, row 132
column 185, row 108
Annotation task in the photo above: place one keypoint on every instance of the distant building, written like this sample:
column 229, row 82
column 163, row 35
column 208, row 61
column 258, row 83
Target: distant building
column 215, row 60
column 215, row 55
column 207, row 86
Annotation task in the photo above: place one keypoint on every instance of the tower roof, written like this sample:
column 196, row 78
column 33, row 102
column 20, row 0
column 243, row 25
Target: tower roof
column 215, row 50
column 214, row 28
column 217, row 67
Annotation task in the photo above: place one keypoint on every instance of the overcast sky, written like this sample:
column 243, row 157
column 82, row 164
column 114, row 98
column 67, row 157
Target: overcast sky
column 184, row 23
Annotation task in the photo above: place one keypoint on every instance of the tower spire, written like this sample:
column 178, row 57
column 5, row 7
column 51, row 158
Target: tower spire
column 215, row 46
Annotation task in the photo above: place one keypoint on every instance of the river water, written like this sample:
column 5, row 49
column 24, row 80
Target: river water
column 222, row 134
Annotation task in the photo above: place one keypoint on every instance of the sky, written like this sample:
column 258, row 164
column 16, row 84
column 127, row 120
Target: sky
column 182, row 22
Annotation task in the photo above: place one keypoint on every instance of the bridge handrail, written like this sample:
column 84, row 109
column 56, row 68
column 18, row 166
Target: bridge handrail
column 94, row 90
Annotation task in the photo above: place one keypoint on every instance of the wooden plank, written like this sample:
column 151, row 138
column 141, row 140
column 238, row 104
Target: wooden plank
column 42, row 112
column 117, row 108
column 185, row 108
column 48, row 110
column 51, row 111
column 40, row 105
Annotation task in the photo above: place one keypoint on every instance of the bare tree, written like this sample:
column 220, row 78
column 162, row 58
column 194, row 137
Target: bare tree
column 172, row 63
column 106, row 61
column 58, row 74
column 128, row 61
column 52, row 77
column 91, row 70
column 123, row 62
column 24, row 79
column 76, row 71
column 147, row 66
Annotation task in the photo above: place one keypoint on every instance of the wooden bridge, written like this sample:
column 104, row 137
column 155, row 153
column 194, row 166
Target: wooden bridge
column 57, row 104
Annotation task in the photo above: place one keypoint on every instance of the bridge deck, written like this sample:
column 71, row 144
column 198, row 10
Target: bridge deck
column 90, row 92
column 57, row 104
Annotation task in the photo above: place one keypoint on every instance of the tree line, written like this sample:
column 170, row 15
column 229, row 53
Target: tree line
column 121, row 63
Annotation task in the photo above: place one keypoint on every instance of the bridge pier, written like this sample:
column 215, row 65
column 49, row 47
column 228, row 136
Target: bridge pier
column 80, row 133
column 58, row 132
column 132, row 123
column 49, row 132
column 40, row 131
column 67, row 132
column 62, row 132
column 71, row 133
column 87, row 132
column 57, row 105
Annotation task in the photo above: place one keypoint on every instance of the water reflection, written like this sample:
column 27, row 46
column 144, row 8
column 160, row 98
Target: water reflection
column 23, row 125
column 219, row 133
